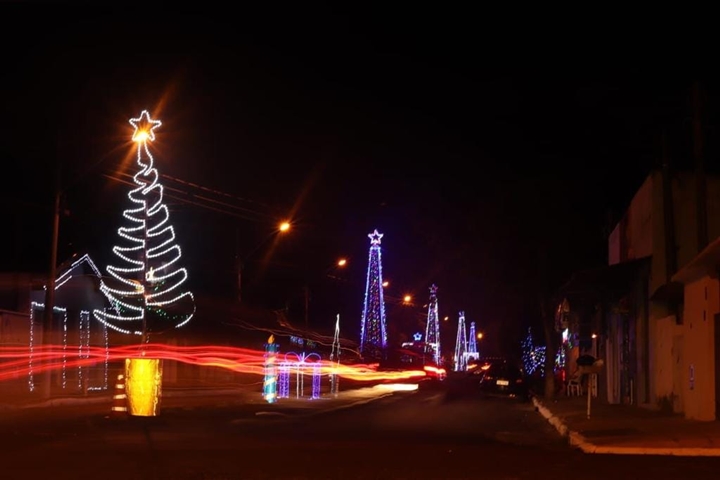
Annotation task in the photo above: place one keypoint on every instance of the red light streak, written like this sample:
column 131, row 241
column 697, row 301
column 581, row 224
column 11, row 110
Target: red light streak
column 19, row 361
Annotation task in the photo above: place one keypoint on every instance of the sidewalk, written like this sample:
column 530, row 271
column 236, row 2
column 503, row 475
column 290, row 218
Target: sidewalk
column 628, row 430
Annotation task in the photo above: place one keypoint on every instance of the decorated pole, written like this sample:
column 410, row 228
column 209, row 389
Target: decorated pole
column 270, row 382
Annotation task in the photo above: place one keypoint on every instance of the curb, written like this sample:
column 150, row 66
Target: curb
column 578, row 440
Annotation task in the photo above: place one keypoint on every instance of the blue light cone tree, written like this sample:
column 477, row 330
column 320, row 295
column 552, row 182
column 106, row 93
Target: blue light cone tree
column 373, row 331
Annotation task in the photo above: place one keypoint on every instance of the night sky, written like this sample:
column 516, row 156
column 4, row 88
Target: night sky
column 477, row 165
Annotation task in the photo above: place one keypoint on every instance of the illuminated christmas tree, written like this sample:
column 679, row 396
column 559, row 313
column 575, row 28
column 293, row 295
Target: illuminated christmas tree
column 432, row 329
column 335, row 359
column 373, row 334
column 461, row 345
column 528, row 353
column 472, row 349
column 146, row 288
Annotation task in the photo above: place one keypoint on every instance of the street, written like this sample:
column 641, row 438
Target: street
column 435, row 433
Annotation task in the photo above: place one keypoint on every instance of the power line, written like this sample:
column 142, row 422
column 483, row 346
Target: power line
column 225, row 208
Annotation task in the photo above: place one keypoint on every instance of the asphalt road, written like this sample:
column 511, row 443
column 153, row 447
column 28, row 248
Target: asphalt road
column 429, row 434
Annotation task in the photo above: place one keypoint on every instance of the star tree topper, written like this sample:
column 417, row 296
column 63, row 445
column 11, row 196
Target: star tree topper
column 375, row 237
column 144, row 127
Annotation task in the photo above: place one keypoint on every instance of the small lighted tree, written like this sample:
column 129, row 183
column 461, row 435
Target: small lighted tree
column 146, row 288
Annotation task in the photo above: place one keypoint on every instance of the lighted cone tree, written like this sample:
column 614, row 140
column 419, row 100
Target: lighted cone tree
column 373, row 334
column 146, row 287
column 461, row 345
column 432, row 328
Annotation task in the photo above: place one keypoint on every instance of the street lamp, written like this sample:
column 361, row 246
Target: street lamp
column 340, row 263
column 282, row 228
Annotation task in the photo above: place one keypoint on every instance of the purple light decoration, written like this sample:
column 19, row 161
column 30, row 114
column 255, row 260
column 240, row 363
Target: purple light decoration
column 316, row 381
column 300, row 364
column 373, row 334
column 284, row 380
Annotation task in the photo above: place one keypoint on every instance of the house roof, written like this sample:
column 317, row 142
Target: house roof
column 706, row 262
column 67, row 268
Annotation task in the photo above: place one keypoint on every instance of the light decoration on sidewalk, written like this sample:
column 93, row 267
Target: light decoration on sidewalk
column 31, row 347
column 143, row 384
column 284, row 380
column 300, row 363
column 270, row 380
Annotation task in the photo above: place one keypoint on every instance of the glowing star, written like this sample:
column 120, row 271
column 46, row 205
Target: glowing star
column 375, row 237
column 417, row 336
column 144, row 127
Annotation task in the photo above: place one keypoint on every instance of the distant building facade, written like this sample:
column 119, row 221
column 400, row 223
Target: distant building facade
column 654, row 323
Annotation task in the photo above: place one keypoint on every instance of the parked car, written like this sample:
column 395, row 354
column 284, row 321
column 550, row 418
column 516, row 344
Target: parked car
column 502, row 378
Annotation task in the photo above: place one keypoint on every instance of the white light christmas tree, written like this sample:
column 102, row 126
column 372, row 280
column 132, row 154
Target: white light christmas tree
column 335, row 358
column 146, row 289
column 432, row 328
column 461, row 345
column 472, row 349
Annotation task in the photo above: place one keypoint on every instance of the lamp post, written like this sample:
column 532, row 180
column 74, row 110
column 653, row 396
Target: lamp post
column 328, row 273
column 283, row 227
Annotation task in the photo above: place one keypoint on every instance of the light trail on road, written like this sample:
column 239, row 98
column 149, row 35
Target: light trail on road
column 19, row 361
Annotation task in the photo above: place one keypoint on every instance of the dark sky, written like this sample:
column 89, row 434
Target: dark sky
column 473, row 154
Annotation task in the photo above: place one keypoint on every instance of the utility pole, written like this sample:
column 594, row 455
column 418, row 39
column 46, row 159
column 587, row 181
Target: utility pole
column 50, row 291
column 701, row 186
column 668, row 215
column 307, row 306
column 47, row 324
column 238, row 264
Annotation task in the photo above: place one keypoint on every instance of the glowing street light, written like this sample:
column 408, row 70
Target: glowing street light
column 407, row 298
column 342, row 262
column 479, row 335
column 282, row 228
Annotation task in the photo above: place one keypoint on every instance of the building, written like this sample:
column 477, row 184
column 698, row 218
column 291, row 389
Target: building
column 646, row 308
